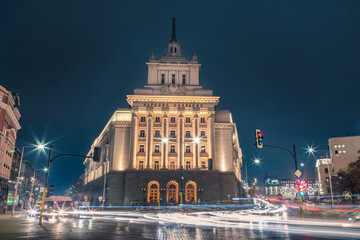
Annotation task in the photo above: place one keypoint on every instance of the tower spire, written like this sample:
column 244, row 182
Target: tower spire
column 173, row 35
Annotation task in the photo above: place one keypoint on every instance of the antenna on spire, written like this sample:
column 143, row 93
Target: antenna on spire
column 173, row 35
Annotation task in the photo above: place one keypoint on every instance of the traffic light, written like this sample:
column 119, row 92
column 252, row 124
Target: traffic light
column 259, row 138
column 51, row 190
column 210, row 164
column 97, row 154
column 301, row 188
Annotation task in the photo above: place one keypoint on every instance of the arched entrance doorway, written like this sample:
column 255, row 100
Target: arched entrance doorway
column 190, row 192
column 153, row 192
column 172, row 192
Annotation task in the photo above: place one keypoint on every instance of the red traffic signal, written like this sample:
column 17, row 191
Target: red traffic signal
column 259, row 138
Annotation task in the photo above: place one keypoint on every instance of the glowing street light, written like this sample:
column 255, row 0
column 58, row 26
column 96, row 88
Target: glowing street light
column 165, row 140
column 257, row 161
column 196, row 140
column 302, row 164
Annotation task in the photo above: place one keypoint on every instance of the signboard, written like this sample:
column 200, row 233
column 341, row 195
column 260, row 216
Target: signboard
column 298, row 173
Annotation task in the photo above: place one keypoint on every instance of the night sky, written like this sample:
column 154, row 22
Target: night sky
column 288, row 68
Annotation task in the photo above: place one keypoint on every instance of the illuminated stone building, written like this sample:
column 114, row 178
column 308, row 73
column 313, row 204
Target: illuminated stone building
column 9, row 125
column 172, row 129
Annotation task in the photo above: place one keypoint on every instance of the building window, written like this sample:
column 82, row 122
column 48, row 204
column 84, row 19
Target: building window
column 344, row 151
column 156, row 165
column 175, row 49
column 172, row 134
column 335, row 146
column 173, row 78
column 142, row 133
column 157, row 133
column 203, row 165
column 157, row 148
column 202, row 149
column 187, row 166
column 142, row 149
column 157, row 119
column 172, row 119
column 187, row 134
column 326, row 170
column 336, row 152
column 187, row 120
column 171, row 49
column 184, row 79
column 141, row 165
column 142, row 119
column 202, row 134
column 202, row 120
column 172, row 165
column 172, row 148
column 343, row 145
column 162, row 78
column 187, row 149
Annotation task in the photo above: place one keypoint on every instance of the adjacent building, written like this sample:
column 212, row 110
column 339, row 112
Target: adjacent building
column 323, row 171
column 165, row 143
column 9, row 125
column 287, row 188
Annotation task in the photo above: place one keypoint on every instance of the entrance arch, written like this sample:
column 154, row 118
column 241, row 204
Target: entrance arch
column 172, row 192
column 153, row 192
column 190, row 192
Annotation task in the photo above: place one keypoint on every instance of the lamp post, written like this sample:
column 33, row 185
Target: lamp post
column 312, row 151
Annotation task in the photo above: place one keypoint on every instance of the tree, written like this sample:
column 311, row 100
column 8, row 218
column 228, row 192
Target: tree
column 349, row 179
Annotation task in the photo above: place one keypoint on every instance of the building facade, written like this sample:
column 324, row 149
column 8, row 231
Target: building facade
column 323, row 170
column 288, row 188
column 163, row 144
column 9, row 125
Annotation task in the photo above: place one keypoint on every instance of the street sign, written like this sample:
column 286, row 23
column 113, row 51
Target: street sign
column 42, row 189
column 298, row 173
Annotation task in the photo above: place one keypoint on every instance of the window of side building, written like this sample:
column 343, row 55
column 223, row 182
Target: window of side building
column 172, row 119
column 187, row 165
column 187, row 149
column 203, row 165
column 172, row 148
column 187, row 134
column 202, row 134
column 162, row 78
column 141, row 149
column 141, row 165
column 157, row 133
column 156, row 165
column 142, row 133
column 184, row 79
column 157, row 119
column 326, row 170
column 187, row 120
column 202, row 120
column 202, row 149
column 142, row 119
column 157, row 148
column 173, row 78
column 172, row 134
column 172, row 165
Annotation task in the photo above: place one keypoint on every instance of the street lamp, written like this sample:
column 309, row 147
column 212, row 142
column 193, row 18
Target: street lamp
column 257, row 161
column 302, row 164
column 313, row 151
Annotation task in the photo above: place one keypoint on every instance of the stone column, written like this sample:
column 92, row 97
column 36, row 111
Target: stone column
column 212, row 137
column 181, row 139
column 133, row 139
column 148, row 140
column 165, row 135
column 196, row 127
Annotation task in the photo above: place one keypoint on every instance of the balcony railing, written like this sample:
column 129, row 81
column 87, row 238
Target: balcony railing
column 172, row 154
column 140, row 154
column 188, row 154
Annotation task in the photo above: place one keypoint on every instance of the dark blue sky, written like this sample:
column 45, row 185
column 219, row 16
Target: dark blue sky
column 288, row 68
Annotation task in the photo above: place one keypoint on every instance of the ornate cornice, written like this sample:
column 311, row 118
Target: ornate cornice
column 224, row 125
column 172, row 99
column 121, row 124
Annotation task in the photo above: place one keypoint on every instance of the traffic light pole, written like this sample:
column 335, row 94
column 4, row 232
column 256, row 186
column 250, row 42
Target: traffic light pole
column 293, row 154
column 50, row 160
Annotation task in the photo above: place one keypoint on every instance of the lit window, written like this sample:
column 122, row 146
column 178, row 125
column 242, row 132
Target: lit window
column 344, row 151
column 339, row 146
column 142, row 119
column 184, row 79
column 162, row 78
column 335, row 146
column 172, row 148
column 157, row 119
column 188, row 165
column 187, row 134
column 202, row 134
column 187, row 150
column 340, row 152
column 142, row 149
column 172, row 134
column 173, row 78
column 141, row 165
column 343, row 145
column 142, row 133
column 157, row 133
column 157, row 148
column 202, row 149
column 202, row 120
column 187, row 120
column 156, row 165
column 172, row 119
